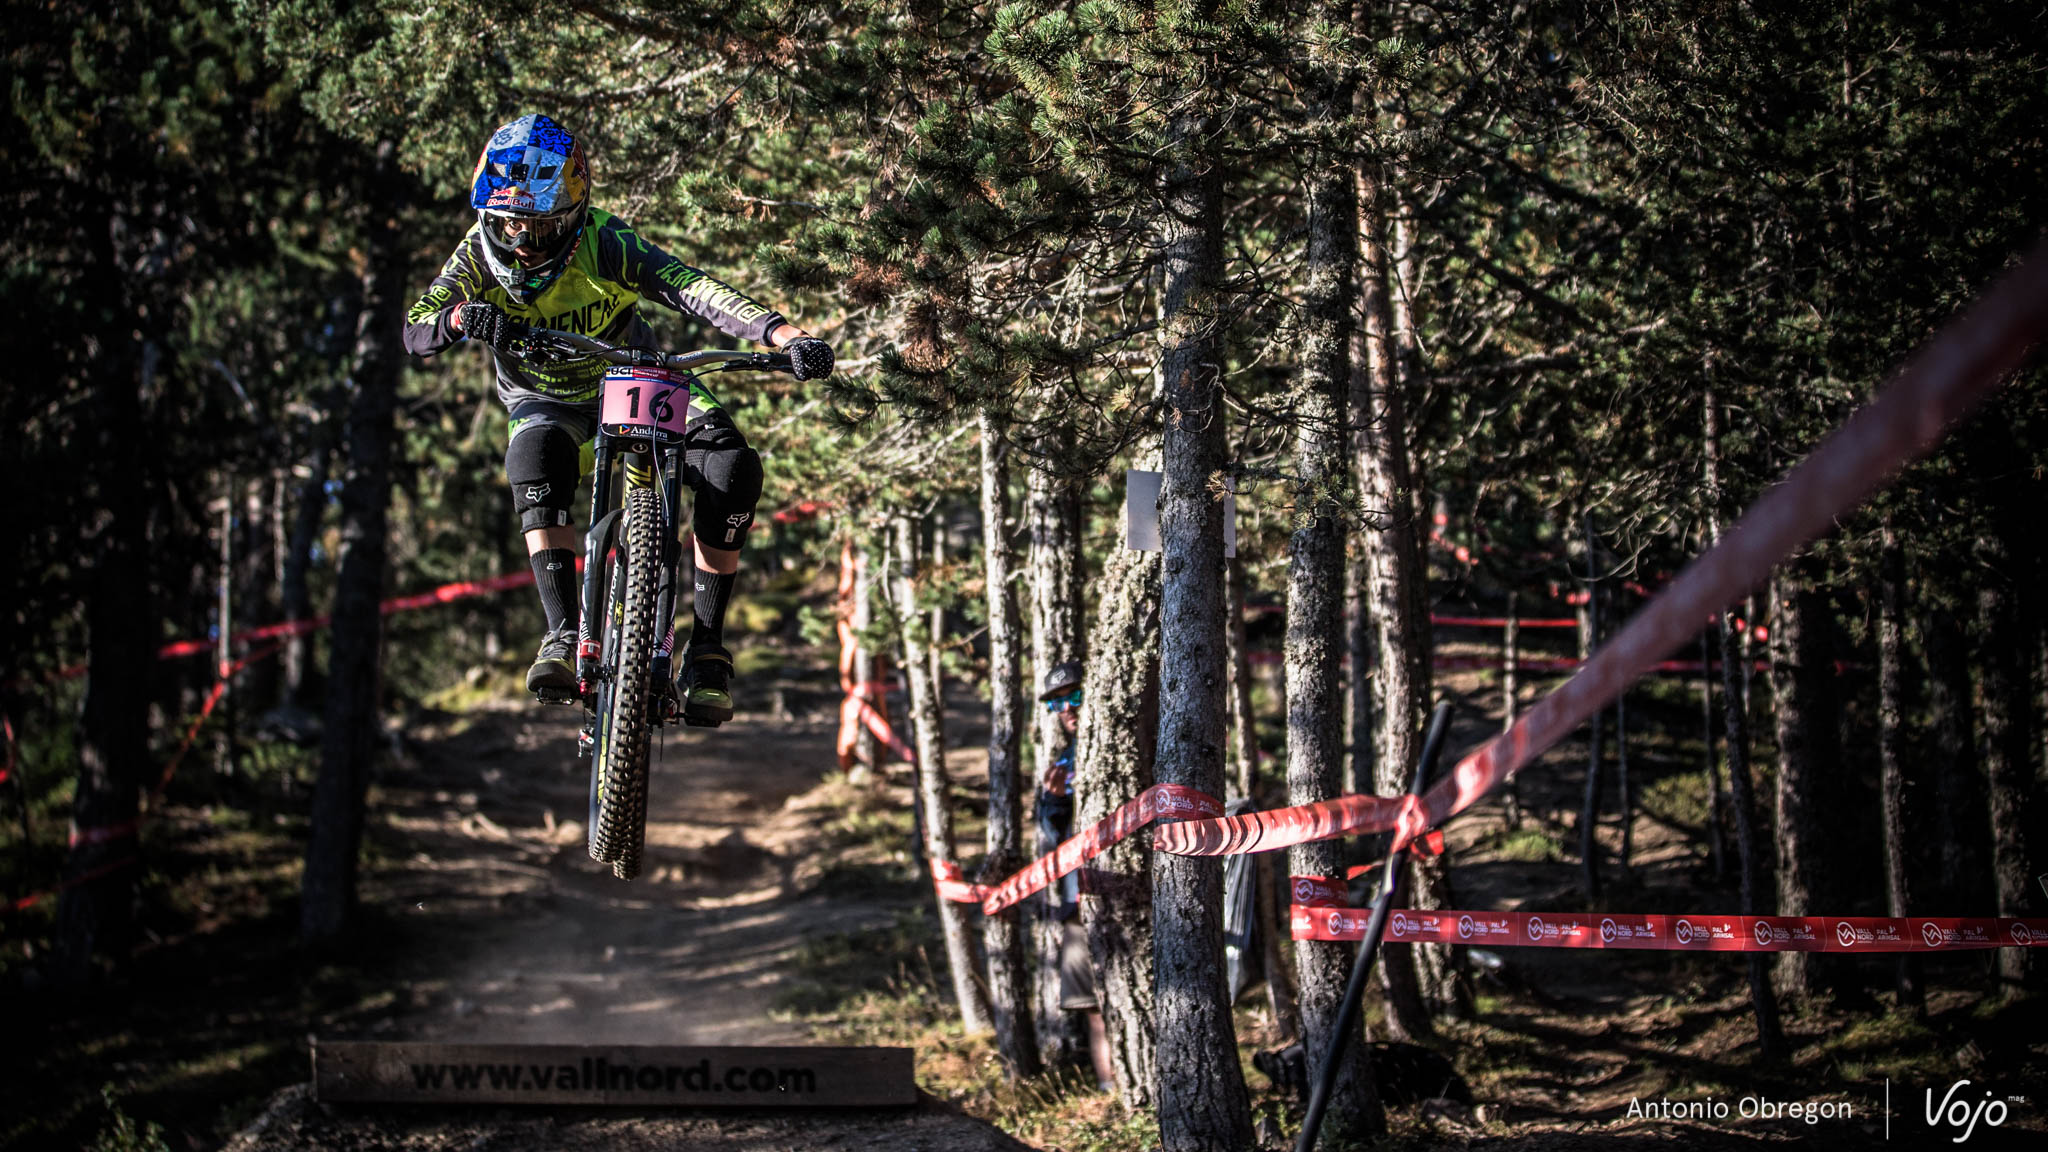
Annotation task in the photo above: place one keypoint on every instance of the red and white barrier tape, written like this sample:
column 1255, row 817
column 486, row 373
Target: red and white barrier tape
column 1168, row 800
column 861, row 707
column 1950, row 373
column 1687, row 933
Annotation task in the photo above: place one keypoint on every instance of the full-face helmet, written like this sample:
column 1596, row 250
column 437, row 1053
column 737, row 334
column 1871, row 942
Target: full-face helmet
column 531, row 193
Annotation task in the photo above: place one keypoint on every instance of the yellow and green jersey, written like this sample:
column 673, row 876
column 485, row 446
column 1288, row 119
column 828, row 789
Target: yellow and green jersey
column 612, row 269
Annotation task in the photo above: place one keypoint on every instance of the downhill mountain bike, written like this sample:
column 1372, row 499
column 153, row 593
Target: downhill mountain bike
column 632, row 556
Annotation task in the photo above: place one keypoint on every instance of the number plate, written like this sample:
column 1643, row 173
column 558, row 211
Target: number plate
column 650, row 402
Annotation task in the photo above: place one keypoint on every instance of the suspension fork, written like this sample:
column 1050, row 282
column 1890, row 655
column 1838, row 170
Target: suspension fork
column 670, row 586
column 597, row 542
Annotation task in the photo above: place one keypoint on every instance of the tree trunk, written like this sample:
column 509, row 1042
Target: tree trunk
column 1244, row 733
column 1358, row 646
column 1716, row 839
column 1002, row 935
column 1959, row 810
column 935, row 811
column 1809, row 798
column 1902, row 797
column 1114, row 761
column 1052, row 514
column 867, row 675
column 2008, row 772
column 1202, row 1104
column 1770, row 1037
column 1394, row 556
column 95, row 913
column 1510, row 702
column 1315, row 576
column 1589, row 805
column 353, row 724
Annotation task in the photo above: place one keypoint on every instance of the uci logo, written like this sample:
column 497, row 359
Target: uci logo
column 1535, row 928
column 1845, row 935
column 1464, row 927
column 1684, row 932
column 1607, row 931
column 1931, row 934
column 1763, row 933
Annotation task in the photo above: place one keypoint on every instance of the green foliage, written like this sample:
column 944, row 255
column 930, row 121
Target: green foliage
column 123, row 1134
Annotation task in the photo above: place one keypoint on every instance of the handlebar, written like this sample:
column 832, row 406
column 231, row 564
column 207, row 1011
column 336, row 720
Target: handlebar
column 545, row 345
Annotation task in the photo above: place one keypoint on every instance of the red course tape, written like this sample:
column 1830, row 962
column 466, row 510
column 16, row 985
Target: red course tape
column 1687, row 933
column 1160, row 800
column 1949, row 374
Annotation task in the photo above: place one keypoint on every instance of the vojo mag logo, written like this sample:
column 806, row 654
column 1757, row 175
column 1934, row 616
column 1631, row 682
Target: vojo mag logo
column 1535, row 927
column 1844, row 934
column 1762, row 932
column 1931, row 934
column 1607, row 931
column 1464, row 927
column 1684, row 932
column 1400, row 924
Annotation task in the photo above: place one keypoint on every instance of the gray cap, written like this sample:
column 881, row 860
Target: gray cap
column 1064, row 678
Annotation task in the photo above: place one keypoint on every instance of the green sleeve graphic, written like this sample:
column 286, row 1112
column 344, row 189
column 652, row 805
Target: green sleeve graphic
column 627, row 256
column 426, row 323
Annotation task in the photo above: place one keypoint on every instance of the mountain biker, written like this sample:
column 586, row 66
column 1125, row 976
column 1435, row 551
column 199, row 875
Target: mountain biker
column 540, row 255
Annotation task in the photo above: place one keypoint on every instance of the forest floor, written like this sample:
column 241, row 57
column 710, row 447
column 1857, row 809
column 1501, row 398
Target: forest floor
column 781, row 904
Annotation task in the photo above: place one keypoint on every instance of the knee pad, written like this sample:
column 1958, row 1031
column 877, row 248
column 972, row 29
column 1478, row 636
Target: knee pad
column 542, row 465
column 727, row 480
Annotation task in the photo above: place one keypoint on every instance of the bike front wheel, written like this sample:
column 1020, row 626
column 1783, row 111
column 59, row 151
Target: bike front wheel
column 619, row 770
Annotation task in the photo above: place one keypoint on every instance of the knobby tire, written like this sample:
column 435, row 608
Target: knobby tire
column 622, row 749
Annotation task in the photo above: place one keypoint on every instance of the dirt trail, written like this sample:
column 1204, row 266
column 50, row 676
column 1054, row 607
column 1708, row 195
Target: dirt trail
column 528, row 939
column 505, row 930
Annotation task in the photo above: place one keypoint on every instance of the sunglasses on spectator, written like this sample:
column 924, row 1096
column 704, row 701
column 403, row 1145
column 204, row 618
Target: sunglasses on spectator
column 1062, row 703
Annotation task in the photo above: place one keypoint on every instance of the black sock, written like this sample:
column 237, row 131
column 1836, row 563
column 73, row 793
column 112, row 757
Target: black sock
column 714, row 592
column 554, row 573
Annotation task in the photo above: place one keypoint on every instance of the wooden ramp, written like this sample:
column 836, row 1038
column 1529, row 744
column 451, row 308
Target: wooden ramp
column 625, row 1075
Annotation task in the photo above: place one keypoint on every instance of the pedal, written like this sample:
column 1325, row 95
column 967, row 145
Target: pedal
column 699, row 722
column 558, row 696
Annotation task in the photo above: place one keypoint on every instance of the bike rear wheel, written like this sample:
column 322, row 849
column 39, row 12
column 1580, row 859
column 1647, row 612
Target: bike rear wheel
column 619, row 770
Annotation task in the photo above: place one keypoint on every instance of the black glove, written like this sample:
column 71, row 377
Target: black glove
column 488, row 324
column 809, row 358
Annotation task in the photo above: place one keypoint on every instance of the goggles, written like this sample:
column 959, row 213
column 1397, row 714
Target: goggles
column 1062, row 703
column 532, row 232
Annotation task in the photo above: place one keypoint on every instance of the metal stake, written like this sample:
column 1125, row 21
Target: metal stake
column 1361, row 969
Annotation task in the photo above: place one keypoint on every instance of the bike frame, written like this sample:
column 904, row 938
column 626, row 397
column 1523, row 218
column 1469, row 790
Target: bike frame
column 649, row 458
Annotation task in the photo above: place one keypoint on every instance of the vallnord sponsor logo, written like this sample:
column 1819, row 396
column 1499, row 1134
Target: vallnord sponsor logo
column 1763, row 933
column 1400, row 924
column 1336, row 922
column 1845, row 934
column 1607, row 931
column 1464, row 927
column 1535, row 927
column 1303, row 891
column 1931, row 934
column 1684, row 932
column 2021, row 934
column 1174, row 802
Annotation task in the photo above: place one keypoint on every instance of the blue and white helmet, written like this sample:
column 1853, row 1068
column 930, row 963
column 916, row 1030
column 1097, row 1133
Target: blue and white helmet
column 531, row 192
